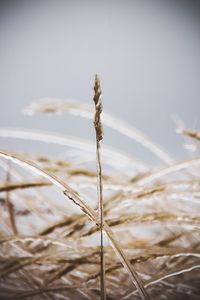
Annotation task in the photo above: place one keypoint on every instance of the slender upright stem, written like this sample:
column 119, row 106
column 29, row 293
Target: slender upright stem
column 99, row 137
column 11, row 212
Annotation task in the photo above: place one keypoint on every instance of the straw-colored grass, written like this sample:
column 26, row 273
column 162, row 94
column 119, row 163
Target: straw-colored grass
column 137, row 238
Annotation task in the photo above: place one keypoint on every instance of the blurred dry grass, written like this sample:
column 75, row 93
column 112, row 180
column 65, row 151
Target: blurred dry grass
column 49, row 230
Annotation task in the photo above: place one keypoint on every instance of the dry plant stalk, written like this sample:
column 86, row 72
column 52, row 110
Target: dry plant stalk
column 99, row 137
column 9, row 204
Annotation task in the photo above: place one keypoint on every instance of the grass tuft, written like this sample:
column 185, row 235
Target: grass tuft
column 53, row 225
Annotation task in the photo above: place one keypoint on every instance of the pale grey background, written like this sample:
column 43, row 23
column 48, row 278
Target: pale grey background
column 147, row 54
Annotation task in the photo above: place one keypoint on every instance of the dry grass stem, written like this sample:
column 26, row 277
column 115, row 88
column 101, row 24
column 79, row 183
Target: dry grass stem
column 99, row 136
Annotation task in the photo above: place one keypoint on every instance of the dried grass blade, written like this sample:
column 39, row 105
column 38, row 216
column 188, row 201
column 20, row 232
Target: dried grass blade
column 48, row 105
column 165, row 171
column 166, row 276
column 63, row 140
column 10, row 207
column 190, row 133
column 22, row 185
column 73, row 196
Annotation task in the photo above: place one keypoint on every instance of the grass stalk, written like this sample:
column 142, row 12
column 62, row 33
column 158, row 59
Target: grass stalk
column 99, row 137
